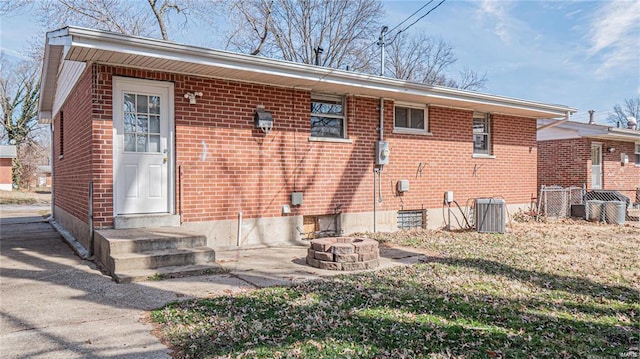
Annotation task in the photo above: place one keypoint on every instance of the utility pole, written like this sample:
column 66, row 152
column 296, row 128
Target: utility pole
column 381, row 43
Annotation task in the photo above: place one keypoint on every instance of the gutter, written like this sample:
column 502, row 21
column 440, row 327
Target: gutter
column 95, row 40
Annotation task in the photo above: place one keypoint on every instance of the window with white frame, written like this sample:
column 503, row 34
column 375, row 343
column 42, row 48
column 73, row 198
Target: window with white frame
column 481, row 133
column 328, row 116
column 637, row 153
column 411, row 117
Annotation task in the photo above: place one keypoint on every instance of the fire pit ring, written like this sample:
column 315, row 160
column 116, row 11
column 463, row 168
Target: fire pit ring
column 343, row 253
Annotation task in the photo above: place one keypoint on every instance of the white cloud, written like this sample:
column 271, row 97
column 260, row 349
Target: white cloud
column 615, row 35
column 499, row 14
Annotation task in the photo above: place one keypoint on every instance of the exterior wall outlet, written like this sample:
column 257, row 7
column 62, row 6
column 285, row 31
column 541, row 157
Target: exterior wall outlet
column 403, row 185
column 286, row 209
column 296, row 198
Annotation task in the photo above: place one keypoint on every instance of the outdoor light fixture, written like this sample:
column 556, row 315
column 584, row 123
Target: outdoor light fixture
column 611, row 149
column 192, row 96
column 263, row 119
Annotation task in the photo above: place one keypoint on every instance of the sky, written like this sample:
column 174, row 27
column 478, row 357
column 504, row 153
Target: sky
column 582, row 54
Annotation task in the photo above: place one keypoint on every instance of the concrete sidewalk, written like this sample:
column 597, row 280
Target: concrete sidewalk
column 55, row 305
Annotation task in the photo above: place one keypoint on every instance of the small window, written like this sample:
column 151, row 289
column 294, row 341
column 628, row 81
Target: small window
column 638, row 153
column 412, row 219
column 327, row 116
column 410, row 118
column 481, row 133
column 61, row 131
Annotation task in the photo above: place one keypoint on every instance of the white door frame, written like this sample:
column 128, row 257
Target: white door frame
column 599, row 184
column 118, row 141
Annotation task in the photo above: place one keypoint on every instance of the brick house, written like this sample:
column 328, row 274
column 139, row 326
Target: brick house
column 166, row 136
column 7, row 154
column 597, row 156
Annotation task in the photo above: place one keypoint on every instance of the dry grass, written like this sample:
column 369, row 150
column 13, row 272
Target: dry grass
column 20, row 197
column 556, row 290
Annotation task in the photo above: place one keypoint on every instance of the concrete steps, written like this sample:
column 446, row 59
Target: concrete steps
column 141, row 275
column 153, row 253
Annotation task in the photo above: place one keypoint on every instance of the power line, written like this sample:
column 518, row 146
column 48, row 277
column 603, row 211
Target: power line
column 413, row 23
column 410, row 16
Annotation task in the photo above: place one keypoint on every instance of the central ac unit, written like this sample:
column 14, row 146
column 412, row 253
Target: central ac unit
column 490, row 215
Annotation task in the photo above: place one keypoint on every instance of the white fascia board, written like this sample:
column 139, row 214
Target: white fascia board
column 249, row 63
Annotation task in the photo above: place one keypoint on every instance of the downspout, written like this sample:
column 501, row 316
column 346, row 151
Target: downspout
column 52, row 161
column 378, row 170
column 91, row 229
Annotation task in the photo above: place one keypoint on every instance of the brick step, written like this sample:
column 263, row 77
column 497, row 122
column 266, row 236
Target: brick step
column 145, row 240
column 140, row 275
column 122, row 262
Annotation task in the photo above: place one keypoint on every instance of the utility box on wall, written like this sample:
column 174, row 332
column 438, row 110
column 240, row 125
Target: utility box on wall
column 382, row 153
column 403, row 186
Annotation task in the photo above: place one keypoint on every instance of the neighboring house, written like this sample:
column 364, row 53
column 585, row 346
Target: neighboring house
column 7, row 154
column 596, row 156
column 43, row 174
column 165, row 133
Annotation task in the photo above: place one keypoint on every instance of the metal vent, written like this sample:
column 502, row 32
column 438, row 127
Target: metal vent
column 490, row 215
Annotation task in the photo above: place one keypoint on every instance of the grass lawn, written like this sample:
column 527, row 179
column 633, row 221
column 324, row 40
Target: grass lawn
column 561, row 290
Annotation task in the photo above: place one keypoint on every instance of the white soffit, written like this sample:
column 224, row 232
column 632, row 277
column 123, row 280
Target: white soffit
column 86, row 45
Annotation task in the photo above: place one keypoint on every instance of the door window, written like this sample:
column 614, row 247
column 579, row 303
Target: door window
column 141, row 123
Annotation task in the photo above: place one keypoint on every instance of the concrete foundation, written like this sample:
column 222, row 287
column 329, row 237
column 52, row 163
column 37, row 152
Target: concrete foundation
column 75, row 226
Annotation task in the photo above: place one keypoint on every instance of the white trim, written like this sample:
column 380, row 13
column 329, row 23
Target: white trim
column 482, row 155
column 85, row 45
column 411, row 130
column 166, row 86
column 488, row 119
column 330, row 139
column 320, row 97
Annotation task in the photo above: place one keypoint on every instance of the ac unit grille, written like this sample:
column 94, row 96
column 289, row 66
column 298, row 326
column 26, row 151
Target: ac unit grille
column 490, row 215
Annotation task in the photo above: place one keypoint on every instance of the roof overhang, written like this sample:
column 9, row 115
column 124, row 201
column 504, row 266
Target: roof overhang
column 592, row 131
column 93, row 46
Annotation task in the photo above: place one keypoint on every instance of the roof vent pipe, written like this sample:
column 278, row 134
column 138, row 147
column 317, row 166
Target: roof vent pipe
column 632, row 123
column 318, row 51
column 591, row 121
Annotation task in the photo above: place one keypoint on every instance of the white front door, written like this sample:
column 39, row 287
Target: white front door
column 143, row 146
column 596, row 166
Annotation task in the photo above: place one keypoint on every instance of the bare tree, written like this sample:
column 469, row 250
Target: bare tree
column 630, row 108
column 293, row 30
column 31, row 155
column 424, row 59
column 19, row 93
column 139, row 18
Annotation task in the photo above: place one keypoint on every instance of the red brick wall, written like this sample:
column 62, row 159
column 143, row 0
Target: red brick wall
column 564, row 162
column 568, row 163
column 73, row 170
column 624, row 178
column 447, row 163
column 245, row 170
column 6, row 166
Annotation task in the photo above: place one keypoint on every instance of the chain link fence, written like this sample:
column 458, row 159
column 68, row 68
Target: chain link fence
column 557, row 202
column 609, row 206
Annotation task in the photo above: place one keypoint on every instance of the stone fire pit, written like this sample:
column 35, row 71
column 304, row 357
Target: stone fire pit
column 343, row 253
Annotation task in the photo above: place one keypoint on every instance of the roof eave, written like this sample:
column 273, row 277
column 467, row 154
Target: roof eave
column 307, row 75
